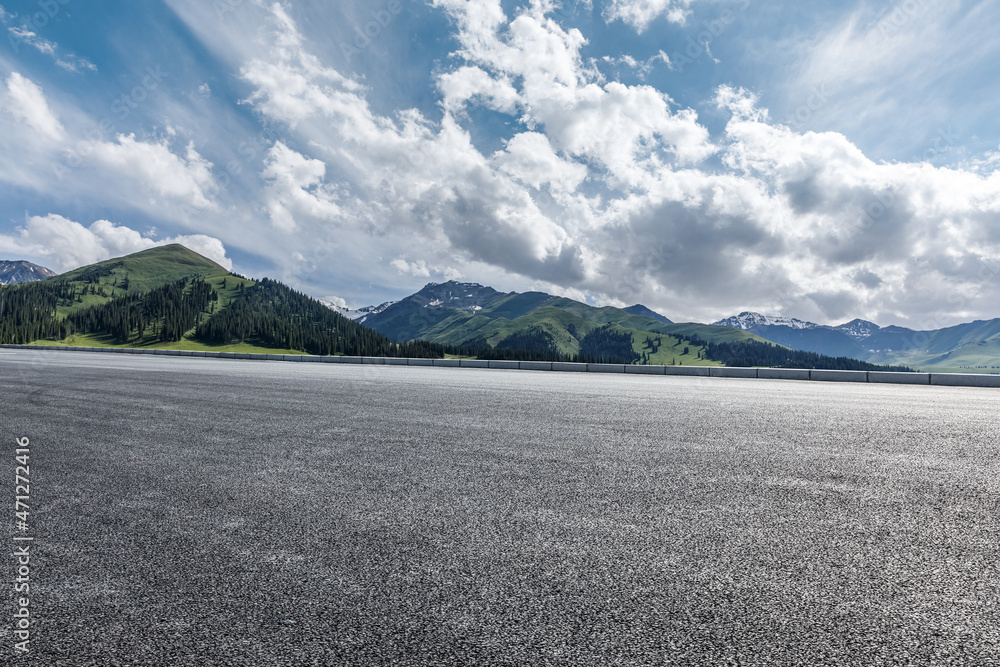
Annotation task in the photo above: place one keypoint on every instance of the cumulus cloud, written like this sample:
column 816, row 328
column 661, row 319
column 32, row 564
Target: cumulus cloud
column 418, row 268
column 630, row 130
column 62, row 244
column 53, row 148
column 640, row 13
column 25, row 101
column 159, row 170
column 606, row 189
column 296, row 188
column 421, row 269
column 335, row 301
column 529, row 158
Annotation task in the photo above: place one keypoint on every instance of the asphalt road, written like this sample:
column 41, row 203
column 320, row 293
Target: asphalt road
column 216, row 512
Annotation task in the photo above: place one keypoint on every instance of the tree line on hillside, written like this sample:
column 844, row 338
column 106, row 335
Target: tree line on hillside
column 28, row 311
column 605, row 345
column 271, row 314
column 748, row 353
column 602, row 345
column 268, row 314
column 166, row 313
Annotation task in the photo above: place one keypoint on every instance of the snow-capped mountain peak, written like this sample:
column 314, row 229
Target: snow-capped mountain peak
column 859, row 329
column 749, row 320
column 452, row 294
column 20, row 271
column 356, row 314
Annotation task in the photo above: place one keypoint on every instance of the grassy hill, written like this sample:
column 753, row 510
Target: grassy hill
column 976, row 356
column 170, row 297
column 137, row 273
column 466, row 314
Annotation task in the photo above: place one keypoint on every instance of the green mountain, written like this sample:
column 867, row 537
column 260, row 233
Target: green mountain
column 973, row 347
column 639, row 309
column 170, row 297
column 472, row 316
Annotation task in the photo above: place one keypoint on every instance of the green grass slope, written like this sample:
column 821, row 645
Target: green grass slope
column 982, row 356
column 566, row 321
column 151, row 268
column 187, row 343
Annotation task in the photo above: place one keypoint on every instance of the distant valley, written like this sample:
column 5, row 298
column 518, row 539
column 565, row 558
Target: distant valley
column 971, row 347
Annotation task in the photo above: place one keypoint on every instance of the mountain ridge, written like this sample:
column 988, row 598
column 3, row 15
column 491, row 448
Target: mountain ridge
column 20, row 271
column 966, row 347
column 170, row 297
column 470, row 314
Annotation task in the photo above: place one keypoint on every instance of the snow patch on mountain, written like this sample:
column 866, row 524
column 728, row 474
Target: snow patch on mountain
column 357, row 314
column 749, row 320
column 859, row 329
column 20, row 271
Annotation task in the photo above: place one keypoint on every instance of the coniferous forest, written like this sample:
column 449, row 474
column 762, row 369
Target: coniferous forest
column 101, row 300
column 28, row 313
column 268, row 314
column 605, row 345
column 274, row 315
column 755, row 353
column 166, row 312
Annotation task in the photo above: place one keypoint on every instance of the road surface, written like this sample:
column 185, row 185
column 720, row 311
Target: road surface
column 218, row 512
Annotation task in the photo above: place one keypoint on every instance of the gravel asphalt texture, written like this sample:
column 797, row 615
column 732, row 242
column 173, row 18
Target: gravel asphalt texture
column 222, row 512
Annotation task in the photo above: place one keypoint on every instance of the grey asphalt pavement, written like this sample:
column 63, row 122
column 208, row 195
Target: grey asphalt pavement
column 217, row 512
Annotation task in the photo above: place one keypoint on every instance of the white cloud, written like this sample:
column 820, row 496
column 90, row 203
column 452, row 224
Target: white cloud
column 69, row 62
column 892, row 76
column 630, row 130
column 32, row 39
column 25, row 101
column 156, row 169
column 63, row 244
column 470, row 83
column 418, row 268
column 530, row 159
column 603, row 189
column 642, row 69
column 73, row 63
column 296, row 189
column 335, row 301
column 641, row 13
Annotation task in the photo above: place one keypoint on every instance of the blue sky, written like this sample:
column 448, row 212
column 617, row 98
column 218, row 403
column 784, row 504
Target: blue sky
column 818, row 160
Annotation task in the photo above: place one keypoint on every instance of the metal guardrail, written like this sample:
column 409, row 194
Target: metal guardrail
column 874, row 377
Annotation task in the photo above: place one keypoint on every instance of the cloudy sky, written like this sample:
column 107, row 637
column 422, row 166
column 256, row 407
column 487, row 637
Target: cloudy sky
column 799, row 157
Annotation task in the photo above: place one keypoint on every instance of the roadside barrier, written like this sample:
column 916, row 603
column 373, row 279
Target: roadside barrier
column 874, row 377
